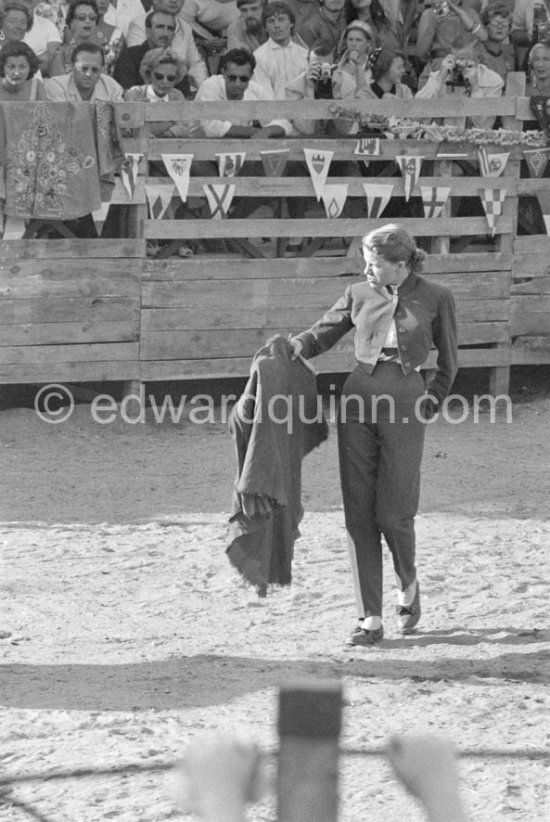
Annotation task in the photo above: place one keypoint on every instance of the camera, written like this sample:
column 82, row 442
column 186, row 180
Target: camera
column 323, row 84
column 456, row 77
column 441, row 8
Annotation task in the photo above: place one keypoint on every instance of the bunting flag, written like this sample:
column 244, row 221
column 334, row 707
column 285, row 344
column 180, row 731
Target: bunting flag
column 158, row 199
column 178, row 167
column 433, row 200
column 537, row 160
column 546, row 218
column 378, row 197
column 219, row 199
column 129, row 172
column 99, row 216
column 318, row 163
column 492, row 199
column 368, row 145
column 334, row 199
column 491, row 165
column 410, row 169
column 14, row 228
column 230, row 164
column 274, row 161
column 543, row 198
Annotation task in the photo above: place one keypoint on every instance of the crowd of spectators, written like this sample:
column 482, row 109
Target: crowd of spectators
column 208, row 50
column 379, row 48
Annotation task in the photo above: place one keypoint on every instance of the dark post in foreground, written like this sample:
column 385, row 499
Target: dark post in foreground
column 310, row 720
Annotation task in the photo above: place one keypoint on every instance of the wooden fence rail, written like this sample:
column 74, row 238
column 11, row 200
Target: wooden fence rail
column 83, row 310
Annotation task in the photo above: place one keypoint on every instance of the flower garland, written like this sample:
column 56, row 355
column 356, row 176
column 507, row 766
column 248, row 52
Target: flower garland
column 404, row 129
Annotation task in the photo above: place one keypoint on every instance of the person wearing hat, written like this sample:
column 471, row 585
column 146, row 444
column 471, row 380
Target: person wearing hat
column 357, row 43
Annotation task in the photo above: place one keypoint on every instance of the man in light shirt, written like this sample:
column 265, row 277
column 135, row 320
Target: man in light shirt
column 280, row 60
column 183, row 43
column 86, row 82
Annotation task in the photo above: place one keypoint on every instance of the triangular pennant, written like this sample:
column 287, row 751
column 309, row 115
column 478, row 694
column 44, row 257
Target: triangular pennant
column 491, row 165
column 158, row 198
column 230, row 164
column 378, row 197
column 368, row 145
column 334, row 199
column 100, row 215
column 219, row 199
column 129, row 172
column 274, row 161
column 434, row 199
column 537, row 160
column 178, row 167
column 546, row 218
column 492, row 199
column 14, row 228
column 318, row 163
column 410, row 169
column 543, row 197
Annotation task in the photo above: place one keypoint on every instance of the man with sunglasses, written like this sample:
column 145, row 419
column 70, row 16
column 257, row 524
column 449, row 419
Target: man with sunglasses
column 86, row 82
column 160, row 27
column 234, row 83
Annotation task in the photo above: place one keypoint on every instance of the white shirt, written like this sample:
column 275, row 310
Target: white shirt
column 277, row 66
column 183, row 44
column 43, row 31
column 213, row 89
column 123, row 14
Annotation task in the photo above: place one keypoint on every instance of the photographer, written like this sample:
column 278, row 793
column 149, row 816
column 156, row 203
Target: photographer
column 462, row 74
column 448, row 26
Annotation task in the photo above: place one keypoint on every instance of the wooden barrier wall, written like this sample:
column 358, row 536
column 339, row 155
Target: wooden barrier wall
column 102, row 310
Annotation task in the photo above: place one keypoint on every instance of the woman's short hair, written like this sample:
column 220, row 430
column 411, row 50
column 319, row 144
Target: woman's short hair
column 383, row 62
column 74, row 4
column 240, row 57
column 19, row 49
column 160, row 57
column 542, row 44
column 14, row 5
column 395, row 244
column 496, row 8
column 275, row 8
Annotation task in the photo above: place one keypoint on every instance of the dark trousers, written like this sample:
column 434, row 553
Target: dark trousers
column 380, row 443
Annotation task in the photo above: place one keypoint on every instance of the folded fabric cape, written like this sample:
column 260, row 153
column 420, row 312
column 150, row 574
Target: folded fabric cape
column 277, row 421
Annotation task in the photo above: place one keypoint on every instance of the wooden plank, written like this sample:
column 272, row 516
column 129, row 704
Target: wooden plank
column 533, row 244
column 419, row 227
column 302, row 186
column 69, row 332
column 184, row 369
column 25, row 373
column 536, row 286
column 87, row 352
column 78, row 249
column 32, row 279
column 530, row 304
column 465, row 266
column 532, row 264
column 522, row 356
column 71, row 309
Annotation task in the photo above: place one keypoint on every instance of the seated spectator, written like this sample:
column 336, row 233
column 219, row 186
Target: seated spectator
column 279, row 60
column 162, row 70
column 326, row 25
column 539, row 71
column 497, row 52
column 247, row 32
column 86, row 81
column 160, row 28
column 473, row 79
column 525, row 30
column 182, row 43
column 448, row 26
column 390, row 30
column 81, row 27
column 212, row 15
column 16, row 20
column 356, row 45
column 235, row 83
column 43, row 38
column 18, row 65
column 387, row 69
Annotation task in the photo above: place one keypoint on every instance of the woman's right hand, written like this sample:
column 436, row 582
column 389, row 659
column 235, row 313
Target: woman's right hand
column 447, row 64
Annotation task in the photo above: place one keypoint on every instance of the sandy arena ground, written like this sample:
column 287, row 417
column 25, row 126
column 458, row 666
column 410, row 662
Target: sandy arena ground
column 131, row 635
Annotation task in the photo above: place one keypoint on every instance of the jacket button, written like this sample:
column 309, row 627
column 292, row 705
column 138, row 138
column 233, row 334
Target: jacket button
column 403, row 348
column 402, row 330
column 406, row 364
